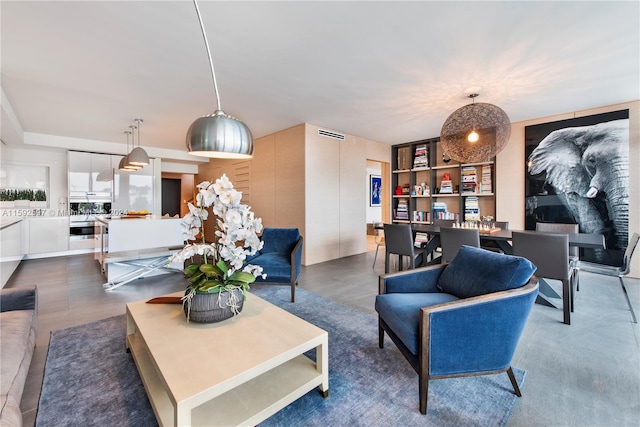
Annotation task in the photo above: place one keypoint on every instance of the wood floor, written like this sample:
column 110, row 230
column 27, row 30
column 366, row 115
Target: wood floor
column 585, row 374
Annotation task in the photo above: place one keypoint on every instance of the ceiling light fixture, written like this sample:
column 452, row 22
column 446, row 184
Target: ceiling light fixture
column 124, row 162
column 218, row 135
column 137, row 156
column 475, row 132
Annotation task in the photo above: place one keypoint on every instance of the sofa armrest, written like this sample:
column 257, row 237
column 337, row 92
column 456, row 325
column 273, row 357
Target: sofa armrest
column 476, row 334
column 418, row 280
column 18, row 299
column 296, row 260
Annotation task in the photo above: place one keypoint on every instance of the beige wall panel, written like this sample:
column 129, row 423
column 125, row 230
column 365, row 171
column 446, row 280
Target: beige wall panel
column 263, row 176
column 290, row 186
column 377, row 151
column 322, row 206
column 353, row 201
column 510, row 170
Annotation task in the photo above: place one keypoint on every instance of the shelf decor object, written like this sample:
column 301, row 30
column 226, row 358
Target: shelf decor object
column 218, row 135
column 475, row 132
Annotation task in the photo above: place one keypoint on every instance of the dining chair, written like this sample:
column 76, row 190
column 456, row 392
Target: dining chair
column 619, row 272
column 378, row 233
column 548, row 252
column 452, row 238
column 399, row 241
column 574, row 252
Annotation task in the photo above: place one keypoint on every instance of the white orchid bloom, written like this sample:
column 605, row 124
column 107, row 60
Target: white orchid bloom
column 222, row 184
column 233, row 216
column 230, row 197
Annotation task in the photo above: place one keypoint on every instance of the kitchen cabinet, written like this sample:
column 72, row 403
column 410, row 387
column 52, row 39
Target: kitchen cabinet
column 427, row 185
column 48, row 235
column 134, row 190
column 11, row 249
column 90, row 172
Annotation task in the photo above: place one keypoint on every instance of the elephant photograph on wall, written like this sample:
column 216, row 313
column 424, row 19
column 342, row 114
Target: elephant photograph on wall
column 578, row 173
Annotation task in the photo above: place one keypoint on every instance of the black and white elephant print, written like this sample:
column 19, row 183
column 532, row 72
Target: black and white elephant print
column 589, row 165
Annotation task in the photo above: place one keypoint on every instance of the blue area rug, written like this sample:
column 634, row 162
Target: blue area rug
column 90, row 380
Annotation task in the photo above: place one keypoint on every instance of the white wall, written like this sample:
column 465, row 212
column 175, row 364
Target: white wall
column 55, row 159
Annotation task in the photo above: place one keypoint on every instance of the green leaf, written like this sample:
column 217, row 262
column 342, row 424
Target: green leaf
column 196, row 277
column 211, row 270
column 242, row 276
column 210, row 286
column 191, row 269
column 222, row 266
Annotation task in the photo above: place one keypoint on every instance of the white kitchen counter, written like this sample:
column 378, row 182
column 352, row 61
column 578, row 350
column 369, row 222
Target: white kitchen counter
column 131, row 243
column 11, row 247
column 134, row 233
column 6, row 221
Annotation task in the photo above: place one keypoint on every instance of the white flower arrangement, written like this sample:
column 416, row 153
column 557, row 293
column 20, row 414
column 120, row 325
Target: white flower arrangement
column 222, row 265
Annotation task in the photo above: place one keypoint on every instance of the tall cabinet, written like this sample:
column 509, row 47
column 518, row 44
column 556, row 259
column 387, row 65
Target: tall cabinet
column 427, row 185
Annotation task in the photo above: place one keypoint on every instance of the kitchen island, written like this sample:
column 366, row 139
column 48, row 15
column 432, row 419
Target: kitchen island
column 135, row 247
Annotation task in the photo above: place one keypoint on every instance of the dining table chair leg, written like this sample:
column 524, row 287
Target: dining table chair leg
column 566, row 301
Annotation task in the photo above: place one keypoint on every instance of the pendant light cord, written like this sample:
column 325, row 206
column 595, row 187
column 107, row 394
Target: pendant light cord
column 206, row 42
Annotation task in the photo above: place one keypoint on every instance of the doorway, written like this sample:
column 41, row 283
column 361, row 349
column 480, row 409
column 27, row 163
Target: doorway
column 171, row 196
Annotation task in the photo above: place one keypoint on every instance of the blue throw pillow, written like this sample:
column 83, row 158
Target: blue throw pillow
column 476, row 271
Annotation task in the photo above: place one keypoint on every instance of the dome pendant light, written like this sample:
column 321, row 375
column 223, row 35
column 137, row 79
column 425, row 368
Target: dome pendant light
column 137, row 156
column 218, row 135
column 475, row 132
column 128, row 165
column 124, row 162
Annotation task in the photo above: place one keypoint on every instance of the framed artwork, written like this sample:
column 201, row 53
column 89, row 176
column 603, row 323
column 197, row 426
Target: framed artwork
column 375, row 190
column 577, row 172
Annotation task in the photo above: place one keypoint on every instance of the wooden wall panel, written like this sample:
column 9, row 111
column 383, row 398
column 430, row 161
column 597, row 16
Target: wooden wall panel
column 353, row 201
column 290, row 182
column 263, row 178
column 322, row 205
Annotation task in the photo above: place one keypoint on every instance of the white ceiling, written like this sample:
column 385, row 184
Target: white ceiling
column 388, row 71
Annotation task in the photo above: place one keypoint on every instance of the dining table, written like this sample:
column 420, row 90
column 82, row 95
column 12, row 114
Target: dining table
column 502, row 238
column 547, row 295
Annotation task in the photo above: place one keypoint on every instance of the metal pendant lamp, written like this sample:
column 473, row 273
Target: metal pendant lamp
column 124, row 164
column 218, row 135
column 475, row 132
column 137, row 156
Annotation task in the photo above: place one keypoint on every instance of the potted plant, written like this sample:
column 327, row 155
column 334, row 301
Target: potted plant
column 39, row 199
column 220, row 278
column 22, row 198
column 6, row 198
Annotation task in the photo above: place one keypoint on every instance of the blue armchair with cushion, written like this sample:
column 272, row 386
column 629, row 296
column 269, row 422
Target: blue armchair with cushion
column 458, row 319
column 280, row 257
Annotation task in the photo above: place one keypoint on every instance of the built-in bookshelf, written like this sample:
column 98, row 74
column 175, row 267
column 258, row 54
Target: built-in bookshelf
column 427, row 185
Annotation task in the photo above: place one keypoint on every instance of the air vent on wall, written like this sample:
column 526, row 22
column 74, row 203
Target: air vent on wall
column 330, row 134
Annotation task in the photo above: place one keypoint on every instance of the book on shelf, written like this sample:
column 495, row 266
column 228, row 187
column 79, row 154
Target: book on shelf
column 404, row 158
column 402, row 210
column 471, row 209
column 421, row 216
column 446, row 187
column 421, row 238
column 486, row 183
column 421, row 157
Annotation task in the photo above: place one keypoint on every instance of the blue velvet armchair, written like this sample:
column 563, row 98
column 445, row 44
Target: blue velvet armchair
column 459, row 319
column 280, row 257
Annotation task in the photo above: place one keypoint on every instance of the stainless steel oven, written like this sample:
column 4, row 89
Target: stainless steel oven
column 83, row 209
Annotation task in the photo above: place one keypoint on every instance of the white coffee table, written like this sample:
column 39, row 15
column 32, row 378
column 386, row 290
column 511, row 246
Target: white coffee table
column 236, row 372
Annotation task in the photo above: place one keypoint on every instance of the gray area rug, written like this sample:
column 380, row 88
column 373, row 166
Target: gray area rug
column 89, row 378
